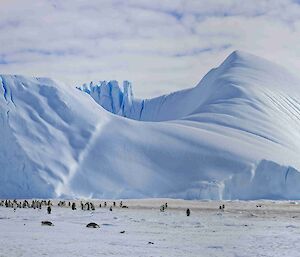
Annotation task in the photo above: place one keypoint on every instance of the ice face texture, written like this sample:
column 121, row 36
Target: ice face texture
column 234, row 136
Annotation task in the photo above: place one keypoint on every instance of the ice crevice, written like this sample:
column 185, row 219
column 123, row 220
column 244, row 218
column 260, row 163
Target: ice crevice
column 4, row 89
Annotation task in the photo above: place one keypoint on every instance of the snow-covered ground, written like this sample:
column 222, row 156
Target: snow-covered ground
column 241, row 230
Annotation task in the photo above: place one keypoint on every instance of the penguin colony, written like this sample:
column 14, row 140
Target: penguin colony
column 84, row 206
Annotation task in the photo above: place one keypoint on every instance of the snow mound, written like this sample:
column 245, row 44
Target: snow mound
column 233, row 136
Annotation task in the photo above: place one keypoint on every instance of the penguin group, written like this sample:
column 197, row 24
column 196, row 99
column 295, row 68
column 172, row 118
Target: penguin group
column 90, row 206
column 222, row 207
column 34, row 204
column 38, row 204
column 163, row 207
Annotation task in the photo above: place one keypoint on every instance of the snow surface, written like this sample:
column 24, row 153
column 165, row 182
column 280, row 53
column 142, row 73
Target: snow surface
column 233, row 136
column 241, row 230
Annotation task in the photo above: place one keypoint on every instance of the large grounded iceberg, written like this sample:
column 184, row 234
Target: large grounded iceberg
column 236, row 135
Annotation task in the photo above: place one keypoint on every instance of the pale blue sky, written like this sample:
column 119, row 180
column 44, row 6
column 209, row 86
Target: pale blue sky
column 159, row 45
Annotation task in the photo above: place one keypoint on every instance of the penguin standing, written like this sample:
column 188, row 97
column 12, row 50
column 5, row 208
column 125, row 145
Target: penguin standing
column 188, row 212
column 15, row 206
column 92, row 207
column 49, row 209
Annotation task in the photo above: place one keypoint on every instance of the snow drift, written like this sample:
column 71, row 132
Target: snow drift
column 236, row 135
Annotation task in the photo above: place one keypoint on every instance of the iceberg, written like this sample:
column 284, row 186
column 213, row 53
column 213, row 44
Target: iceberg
column 235, row 135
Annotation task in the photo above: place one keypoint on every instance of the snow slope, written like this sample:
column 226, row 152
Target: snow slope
column 234, row 135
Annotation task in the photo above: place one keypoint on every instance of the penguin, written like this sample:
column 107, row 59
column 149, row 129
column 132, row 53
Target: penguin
column 87, row 206
column 47, row 223
column 92, row 225
column 188, row 212
column 92, row 207
column 15, row 206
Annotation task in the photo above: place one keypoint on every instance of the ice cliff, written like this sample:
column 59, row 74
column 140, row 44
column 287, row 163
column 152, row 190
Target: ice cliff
column 235, row 135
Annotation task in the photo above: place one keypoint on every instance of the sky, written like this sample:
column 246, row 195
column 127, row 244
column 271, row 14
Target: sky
column 159, row 45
